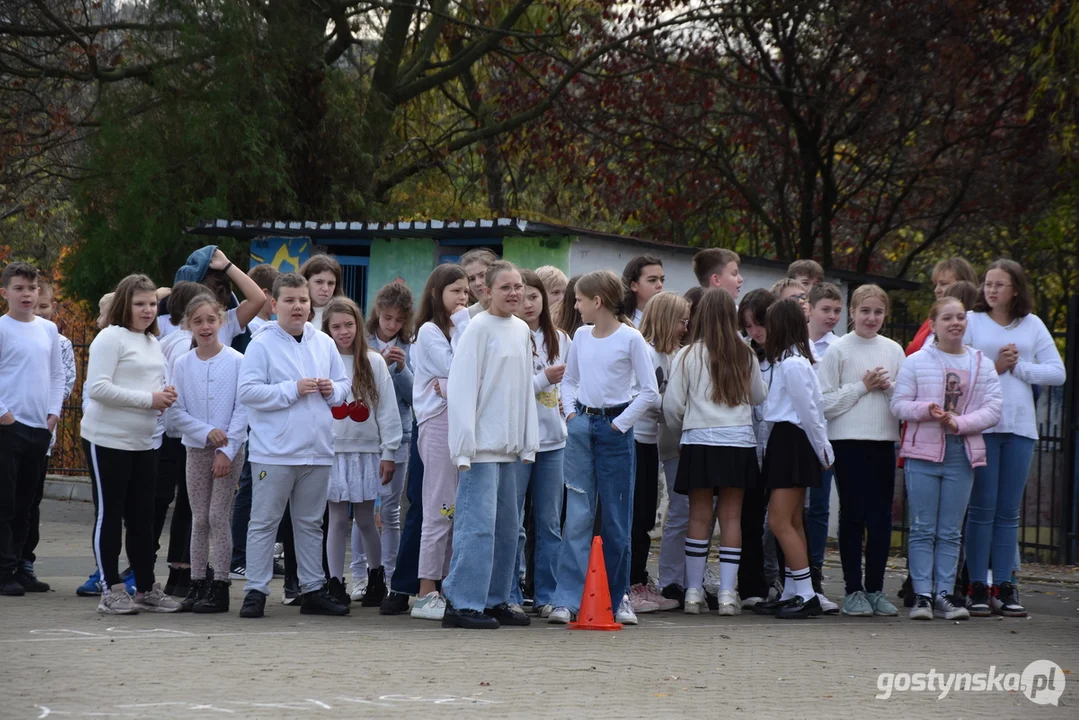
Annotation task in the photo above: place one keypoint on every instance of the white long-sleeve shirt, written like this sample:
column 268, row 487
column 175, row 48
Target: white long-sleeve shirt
column 1039, row 364
column 852, row 411
column 431, row 356
column 381, row 431
column 32, row 376
column 491, row 400
column 124, row 371
column 795, row 397
column 600, row 373
column 552, row 421
column 207, row 399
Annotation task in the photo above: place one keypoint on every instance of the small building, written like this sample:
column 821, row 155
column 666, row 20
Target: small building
column 373, row 254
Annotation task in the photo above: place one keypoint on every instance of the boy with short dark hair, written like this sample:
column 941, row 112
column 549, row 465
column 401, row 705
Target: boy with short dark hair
column 31, row 395
column 825, row 309
column 719, row 267
column 808, row 273
column 291, row 375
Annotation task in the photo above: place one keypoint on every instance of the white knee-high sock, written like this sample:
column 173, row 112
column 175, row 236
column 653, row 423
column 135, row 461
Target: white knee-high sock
column 729, row 558
column 803, row 583
column 788, row 585
column 696, row 557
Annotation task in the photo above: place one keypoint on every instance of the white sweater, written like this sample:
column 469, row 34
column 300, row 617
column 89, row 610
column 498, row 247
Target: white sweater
column 1039, row 364
column 431, row 356
column 552, row 421
column 491, row 398
column 688, row 404
column 207, row 400
column 853, row 412
column 32, row 377
column 381, row 432
column 646, row 429
column 124, row 371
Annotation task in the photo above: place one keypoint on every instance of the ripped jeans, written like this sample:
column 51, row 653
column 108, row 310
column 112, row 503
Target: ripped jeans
column 600, row 463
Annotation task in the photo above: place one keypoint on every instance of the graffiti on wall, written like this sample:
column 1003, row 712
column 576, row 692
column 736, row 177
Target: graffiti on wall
column 284, row 254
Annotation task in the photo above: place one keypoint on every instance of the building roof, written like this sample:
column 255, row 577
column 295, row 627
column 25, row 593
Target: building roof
column 480, row 229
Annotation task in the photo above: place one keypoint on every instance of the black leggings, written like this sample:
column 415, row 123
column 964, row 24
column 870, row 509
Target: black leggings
column 172, row 482
column 123, row 488
column 865, row 479
column 645, row 500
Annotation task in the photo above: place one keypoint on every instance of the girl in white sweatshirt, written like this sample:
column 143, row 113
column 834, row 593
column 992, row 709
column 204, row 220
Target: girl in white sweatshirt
column 1007, row 332
column 493, row 425
column 443, row 307
column 857, row 376
column 213, row 427
column 125, row 381
column 606, row 357
column 543, row 479
column 366, row 435
column 715, row 382
column 663, row 325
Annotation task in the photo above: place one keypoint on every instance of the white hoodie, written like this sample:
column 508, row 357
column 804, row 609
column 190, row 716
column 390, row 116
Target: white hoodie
column 552, row 421
column 491, row 399
column 287, row 429
column 381, row 432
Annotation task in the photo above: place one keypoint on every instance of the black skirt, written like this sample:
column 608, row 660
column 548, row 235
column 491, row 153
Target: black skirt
column 789, row 460
column 716, row 466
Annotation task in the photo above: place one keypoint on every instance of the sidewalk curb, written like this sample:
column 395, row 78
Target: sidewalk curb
column 68, row 488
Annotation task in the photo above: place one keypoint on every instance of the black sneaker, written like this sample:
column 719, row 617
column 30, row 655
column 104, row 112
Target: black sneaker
column 978, row 600
column 1005, row 601
column 337, row 591
column 238, row 572
column 674, row 591
column 507, row 614
column 11, row 587
column 320, row 602
column 196, row 592
column 254, row 605
column 712, row 601
column 291, row 593
column 798, row 609
column 215, row 599
column 376, row 588
column 467, row 619
column 173, row 580
column 907, row 594
column 394, row 604
column 29, row 581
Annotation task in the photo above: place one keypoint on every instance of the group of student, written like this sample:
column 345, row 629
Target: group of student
column 523, row 412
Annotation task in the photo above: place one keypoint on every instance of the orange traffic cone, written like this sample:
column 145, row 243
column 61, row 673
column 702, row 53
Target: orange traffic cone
column 595, row 611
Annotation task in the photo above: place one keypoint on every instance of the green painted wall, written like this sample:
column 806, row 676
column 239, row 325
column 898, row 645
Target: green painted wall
column 534, row 252
column 411, row 259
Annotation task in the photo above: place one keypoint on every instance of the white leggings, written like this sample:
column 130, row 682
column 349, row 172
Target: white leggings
column 338, row 530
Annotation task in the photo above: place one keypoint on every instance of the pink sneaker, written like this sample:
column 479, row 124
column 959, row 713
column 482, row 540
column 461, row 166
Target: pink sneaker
column 640, row 601
column 665, row 604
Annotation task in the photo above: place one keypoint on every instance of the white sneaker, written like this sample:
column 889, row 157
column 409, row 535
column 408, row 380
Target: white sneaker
column 561, row 616
column 156, row 601
column 943, row 607
column 431, row 606
column 694, row 601
column 116, row 601
column 923, row 608
column 639, row 600
column 544, row 611
column 359, row 589
column 625, row 614
column 827, row 606
column 729, row 604
column 278, row 550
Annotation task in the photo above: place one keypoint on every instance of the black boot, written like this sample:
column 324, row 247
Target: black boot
column 376, row 588
column 216, row 599
column 320, row 602
column 195, row 593
column 907, row 593
column 337, row 591
column 816, row 575
column 174, row 578
column 394, row 604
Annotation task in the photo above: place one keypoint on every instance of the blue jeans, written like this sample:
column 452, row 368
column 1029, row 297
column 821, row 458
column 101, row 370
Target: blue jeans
column 600, row 463
column 485, row 528
column 544, row 479
column 816, row 518
column 241, row 515
column 937, row 496
column 405, row 578
column 993, row 517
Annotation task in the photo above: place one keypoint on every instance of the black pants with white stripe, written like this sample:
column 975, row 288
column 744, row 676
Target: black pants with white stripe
column 123, row 484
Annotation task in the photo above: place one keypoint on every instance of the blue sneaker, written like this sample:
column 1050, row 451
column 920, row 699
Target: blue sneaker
column 128, row 579
column 92, row 586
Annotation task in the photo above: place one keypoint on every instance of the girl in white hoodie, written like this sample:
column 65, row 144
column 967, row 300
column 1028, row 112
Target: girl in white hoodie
column 493, row 424
column 543, row 478
column 366, row 435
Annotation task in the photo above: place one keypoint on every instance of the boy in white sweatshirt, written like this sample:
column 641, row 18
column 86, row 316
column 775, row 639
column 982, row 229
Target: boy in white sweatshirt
column 290, row 377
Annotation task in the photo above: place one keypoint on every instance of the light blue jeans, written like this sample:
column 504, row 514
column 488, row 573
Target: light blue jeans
column 937, row 496
column 544, row 479
column 485, row 527
column 993, row 517
column 600, row 464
